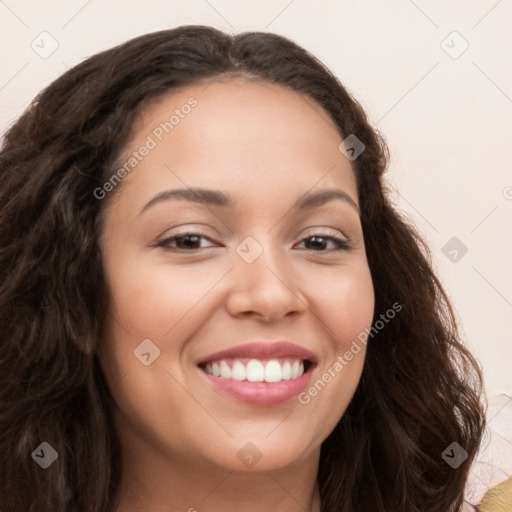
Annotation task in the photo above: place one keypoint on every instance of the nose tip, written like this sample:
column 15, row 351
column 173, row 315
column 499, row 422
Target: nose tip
column 262, row 290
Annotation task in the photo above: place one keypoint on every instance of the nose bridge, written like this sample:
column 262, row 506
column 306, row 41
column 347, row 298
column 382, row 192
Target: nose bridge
column 259, row 254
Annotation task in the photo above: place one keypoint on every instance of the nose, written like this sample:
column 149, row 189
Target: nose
column 266, row 289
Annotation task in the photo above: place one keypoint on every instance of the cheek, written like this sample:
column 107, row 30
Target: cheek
column 150, row 303
column 158, row 303
column 152, row 300
column 347, row 305
column 347, row 308
column 143, row 306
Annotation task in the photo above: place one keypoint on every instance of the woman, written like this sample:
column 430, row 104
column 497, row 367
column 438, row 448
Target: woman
column 208, row 301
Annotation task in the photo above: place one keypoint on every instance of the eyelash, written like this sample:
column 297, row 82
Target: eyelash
column 342, row 245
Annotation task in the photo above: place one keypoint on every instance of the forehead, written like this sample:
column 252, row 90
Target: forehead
column 229, row 96
column 237, row 132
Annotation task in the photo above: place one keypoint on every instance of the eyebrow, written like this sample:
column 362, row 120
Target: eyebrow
column 306, row 201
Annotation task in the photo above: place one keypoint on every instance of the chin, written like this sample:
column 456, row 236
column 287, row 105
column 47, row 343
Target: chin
column 255, row 454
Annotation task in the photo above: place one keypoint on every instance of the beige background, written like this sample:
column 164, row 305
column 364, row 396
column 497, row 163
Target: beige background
column 447, row 115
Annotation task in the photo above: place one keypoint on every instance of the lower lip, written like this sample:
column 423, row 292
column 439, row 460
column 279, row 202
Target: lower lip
column 259, row 393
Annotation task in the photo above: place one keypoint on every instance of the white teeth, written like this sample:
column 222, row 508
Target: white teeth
column 273, row 371
column 225, row 370
column 286, row 373
column 256, row 371
column 295, row 370
column 238, row 371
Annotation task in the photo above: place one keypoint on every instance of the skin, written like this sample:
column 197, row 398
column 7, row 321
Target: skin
column 265, row 145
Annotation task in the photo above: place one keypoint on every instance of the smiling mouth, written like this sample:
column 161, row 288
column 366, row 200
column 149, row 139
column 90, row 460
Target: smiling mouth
column 269, row 370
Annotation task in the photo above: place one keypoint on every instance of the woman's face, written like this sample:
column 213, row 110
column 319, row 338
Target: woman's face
column 257, row 270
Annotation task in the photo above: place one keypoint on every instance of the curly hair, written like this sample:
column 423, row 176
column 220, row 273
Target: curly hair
column 420, row 389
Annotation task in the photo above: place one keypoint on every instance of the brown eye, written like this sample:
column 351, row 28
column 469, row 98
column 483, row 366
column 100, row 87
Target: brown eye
column 184, row 241
column 319, row 241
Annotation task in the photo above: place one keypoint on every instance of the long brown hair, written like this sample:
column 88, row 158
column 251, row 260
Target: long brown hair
column 420, row 390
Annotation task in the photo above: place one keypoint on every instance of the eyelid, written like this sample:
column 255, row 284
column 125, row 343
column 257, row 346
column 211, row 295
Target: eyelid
column 325, row 232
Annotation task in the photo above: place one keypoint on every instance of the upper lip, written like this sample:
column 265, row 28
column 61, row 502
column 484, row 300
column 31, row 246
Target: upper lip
column 260, row 349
